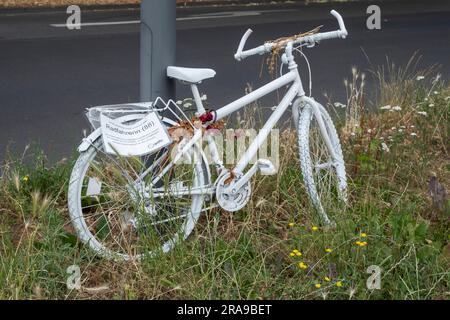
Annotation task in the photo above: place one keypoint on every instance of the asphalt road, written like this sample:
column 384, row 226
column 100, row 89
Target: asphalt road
column 49, row 74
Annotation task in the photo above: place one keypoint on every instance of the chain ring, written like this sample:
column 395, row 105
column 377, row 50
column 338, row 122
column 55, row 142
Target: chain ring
column 232, row 202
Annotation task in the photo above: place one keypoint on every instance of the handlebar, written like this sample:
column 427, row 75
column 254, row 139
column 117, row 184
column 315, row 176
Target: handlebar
column 242, row 42
column 342, row 28
column 267, row 47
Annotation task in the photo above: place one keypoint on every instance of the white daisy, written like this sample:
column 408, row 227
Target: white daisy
column 339, row 105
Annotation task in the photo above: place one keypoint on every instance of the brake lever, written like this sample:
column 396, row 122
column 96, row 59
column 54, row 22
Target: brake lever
column 312, row 44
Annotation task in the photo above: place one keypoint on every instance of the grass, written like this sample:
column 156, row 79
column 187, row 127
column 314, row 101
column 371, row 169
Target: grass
column 275, row 247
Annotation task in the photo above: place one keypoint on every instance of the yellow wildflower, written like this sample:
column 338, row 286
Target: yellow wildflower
column 339, row 284
column 291, row 224
column 363, row 234
column 363, row 244
column 302, row 265
column 328, row 250
column 358, row 243
column 314, row 228
column 25, row 178
column 327, row 279
column 292, row 254
column 317, row 285
column 298, row 253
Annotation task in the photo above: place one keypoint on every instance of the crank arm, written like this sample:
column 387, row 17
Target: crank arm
column 265, row 166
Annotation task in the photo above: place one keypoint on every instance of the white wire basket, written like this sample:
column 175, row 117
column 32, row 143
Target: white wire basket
column 169, row 109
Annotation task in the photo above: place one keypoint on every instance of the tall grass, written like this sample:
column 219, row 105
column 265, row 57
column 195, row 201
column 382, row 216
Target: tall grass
column 275, row 247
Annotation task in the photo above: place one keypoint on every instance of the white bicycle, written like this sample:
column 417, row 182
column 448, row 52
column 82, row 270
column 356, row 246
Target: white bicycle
column 126, row 207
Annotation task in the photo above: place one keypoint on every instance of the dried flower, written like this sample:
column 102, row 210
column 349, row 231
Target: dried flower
column 339, row 105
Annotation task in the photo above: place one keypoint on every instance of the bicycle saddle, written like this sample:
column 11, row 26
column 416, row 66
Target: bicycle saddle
column 191, row 75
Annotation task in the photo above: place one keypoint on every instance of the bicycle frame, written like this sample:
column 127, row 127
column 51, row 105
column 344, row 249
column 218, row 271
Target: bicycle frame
column 295, row 90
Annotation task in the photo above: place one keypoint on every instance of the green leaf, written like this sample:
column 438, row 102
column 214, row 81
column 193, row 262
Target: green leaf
column 421, row 232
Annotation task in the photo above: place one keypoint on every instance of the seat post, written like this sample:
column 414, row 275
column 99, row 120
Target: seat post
column 198, row 101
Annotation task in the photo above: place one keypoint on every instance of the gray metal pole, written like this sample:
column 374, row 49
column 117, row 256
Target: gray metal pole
column 158, row 48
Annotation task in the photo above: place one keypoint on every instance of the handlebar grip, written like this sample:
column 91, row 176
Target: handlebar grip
column 247, row 34
column 342, row 28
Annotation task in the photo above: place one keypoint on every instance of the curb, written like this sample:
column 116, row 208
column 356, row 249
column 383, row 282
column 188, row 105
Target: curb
column 186, row 5
column 211, row 3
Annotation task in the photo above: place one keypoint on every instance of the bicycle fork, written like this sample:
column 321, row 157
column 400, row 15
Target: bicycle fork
column 316, row 108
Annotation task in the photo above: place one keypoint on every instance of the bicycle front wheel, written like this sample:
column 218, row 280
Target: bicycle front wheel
column 125, row 207
column 324, row 177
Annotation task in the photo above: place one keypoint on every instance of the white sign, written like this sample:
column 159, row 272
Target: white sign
column 143, row 137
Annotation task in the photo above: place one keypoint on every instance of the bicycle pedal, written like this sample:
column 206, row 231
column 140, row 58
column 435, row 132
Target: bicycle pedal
column 266, row 167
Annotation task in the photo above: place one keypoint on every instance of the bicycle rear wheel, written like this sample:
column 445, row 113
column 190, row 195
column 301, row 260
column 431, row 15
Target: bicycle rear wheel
column 125, row 207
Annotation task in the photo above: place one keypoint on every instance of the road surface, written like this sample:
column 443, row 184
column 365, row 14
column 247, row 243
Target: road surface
column 49, row 74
